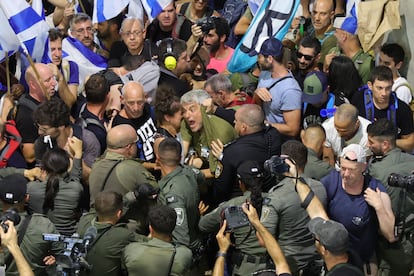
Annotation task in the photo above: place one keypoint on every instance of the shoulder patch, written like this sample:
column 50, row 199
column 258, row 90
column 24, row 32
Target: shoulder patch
column 180, row 216
column 171, row 199
column 266, row 201
column 219, row 169
column 265, row 213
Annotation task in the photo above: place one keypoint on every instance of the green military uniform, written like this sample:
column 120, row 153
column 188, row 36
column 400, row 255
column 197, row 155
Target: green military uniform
column 33, row 246
column 156, row 257
column 363, row 62
column 328, row 41
column 105, row 254
column 316, row 168
column 122, row 175
column 249, row 256
column 213, row 128
column 179, row 190
column 283, row 216
column 396, row 259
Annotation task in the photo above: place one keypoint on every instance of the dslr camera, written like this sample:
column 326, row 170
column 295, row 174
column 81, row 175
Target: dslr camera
column 235, row 217
column 11, row 215
column 401, row 181
column 206, row 24
column 276, row 165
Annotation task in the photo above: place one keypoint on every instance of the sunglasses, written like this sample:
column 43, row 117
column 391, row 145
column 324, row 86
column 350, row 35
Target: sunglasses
column 299, row 55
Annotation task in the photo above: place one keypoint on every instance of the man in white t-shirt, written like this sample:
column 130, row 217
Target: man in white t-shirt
column 343, row 129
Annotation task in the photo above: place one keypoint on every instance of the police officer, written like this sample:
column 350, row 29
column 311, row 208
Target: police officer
column 249, row 256
column 112, row 236
column 158, row 255
column 38, row 252
column 179, row 190
column 394, row 259
column 255, row 142
column 117, row 170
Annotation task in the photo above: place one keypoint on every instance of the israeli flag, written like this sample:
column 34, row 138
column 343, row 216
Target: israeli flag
column 152, row 8
column 37, row 5
column 9, row 43
column 107, row 9
column 254, row 5
column 31, row 30
column 272, row 19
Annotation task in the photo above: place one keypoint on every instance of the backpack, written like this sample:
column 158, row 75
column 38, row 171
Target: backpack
column 369, row 107
column 232, row 11
column 412, row 95
column 84, row 122
column 14, row 138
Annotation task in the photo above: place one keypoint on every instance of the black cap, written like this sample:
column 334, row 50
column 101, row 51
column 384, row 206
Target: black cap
column 13, row 188
column 249, row 169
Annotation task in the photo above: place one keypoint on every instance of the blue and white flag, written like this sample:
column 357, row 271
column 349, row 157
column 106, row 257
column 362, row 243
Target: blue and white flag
column 31, row 30
column 152, row 8
column 88, row 62
column 9, row 43
column 272, row 19
column 107, row 9
column 37, row 5
column 254, row 5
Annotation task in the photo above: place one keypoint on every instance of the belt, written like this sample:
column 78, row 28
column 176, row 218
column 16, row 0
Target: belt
column 239, row 257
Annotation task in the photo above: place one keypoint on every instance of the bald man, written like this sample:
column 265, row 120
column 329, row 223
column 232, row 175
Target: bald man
column 256, row 142
column 137, row 113
column 345, row 128
column 313, row 137
column 118, row 170
column 29, row 102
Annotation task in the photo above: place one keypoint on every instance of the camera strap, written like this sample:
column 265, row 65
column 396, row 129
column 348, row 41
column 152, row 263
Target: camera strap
column 399, row 218
column 109, row 173
column 279, row 80
column 20, row 236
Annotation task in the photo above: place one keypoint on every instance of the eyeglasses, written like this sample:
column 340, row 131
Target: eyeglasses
column 134, row 33
column 81, row 31
column 299, row 55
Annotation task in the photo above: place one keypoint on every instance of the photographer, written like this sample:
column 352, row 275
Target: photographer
column 394, row 259
column 283, row 215
column 9, row 240
column 38, row 252
column 248, row 255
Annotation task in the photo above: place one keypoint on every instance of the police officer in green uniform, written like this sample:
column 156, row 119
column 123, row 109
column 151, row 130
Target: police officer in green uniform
column 284, row 217
column 158, row 255
column 249, row 256
column 38, row 252
column 395, row 258
column 112, row 236
column 179, row 190
column 118, row 171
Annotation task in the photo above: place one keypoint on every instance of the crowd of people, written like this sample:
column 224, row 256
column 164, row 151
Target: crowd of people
column 137, row 151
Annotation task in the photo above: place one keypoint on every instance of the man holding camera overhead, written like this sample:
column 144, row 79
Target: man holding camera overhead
column 285, row 216
column 394, row 258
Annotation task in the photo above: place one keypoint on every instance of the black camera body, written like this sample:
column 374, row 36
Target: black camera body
column 11, row 215
column 206, row 24
column 401, row 181
column 276, row 165
column 235, row 217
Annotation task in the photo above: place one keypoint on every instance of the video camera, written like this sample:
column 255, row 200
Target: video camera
column 235, row 218
column 11, row 215
column 72, row 261
column 206, row 24
column 401, row 181
column 276, row 165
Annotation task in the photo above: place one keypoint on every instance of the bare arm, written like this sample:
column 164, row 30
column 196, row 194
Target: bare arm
column 291, row 127
column 28, row 152
column 223, row 240
column 406, row 142
column 242, row 25
column 381, row 202
column 9, row 240
column 270, row 243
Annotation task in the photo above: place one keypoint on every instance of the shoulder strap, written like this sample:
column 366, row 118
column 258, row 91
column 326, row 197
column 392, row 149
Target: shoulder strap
column 172, row 260
column 184, row 7
column 109, row 173
column 279, row 80
column 20, row 234
column 177, row 27
column 369, row 105
column 27, row 103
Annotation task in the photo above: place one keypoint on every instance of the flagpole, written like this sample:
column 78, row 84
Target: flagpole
column 8, row 74
column 32, row 64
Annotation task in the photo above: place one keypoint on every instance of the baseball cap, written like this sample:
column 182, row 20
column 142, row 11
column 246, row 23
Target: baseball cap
column 13, row 188
column 314, row 85
column 348, row 24
column 270, row 47
column 358, row 150
column 249, row 169
column 331, row 234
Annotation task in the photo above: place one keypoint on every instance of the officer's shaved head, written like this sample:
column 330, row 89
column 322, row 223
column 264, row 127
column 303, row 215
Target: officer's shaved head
column 169, row 152
column 121, row 136
column 313, row 137
column 252, row 115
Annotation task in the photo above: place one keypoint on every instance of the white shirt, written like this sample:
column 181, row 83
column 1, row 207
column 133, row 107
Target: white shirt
column 403, row 92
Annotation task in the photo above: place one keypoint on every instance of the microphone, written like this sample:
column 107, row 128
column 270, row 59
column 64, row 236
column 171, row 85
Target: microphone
column 89, row 237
